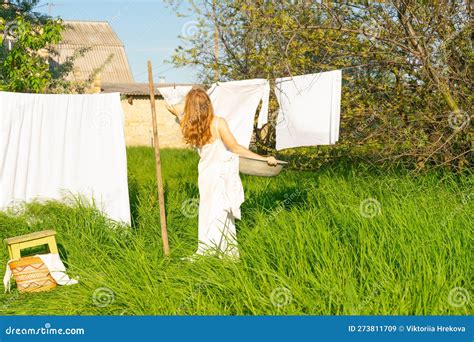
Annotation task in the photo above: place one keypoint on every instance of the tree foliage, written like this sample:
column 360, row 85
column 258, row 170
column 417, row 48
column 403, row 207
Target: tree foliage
column 407, row 67
column 25, row 44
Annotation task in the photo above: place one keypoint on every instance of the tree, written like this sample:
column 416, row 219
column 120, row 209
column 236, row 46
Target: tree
column 26, row 41
column 407, row 67
column 26, row 45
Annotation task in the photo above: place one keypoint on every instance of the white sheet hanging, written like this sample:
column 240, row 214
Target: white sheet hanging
column 310, row 107
column 174, row 95
column 237, row 101
column 52, row 146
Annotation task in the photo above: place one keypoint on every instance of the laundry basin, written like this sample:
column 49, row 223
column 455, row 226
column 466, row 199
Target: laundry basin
column 258, row 167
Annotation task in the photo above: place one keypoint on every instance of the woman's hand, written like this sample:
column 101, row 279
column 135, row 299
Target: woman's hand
column 172, row 110
column 176, row 109
column 272, row 161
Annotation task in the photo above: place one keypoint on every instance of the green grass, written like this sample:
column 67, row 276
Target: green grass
column 306, row 249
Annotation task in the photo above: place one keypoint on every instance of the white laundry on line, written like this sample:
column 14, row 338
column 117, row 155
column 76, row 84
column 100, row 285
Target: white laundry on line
column 54, row 146
column 310, row 107
column 237, row 101
column 174, row 95
column 53, row 263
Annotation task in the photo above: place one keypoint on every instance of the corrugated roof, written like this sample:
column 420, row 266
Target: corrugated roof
column 138, row 88
column 103, row 41
column 90, row 33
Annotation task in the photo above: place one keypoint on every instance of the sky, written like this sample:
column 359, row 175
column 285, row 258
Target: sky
column 149, row 29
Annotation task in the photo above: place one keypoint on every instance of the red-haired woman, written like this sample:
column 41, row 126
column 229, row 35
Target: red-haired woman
column 220, row 187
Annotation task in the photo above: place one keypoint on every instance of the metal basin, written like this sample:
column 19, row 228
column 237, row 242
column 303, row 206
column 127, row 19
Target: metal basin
column 257, row 167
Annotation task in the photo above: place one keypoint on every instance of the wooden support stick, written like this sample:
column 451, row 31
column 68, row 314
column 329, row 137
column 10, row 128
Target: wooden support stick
column 159, row 181
column 216, row 45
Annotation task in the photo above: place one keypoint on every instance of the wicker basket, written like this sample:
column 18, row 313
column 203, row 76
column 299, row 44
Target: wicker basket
column 32, row 275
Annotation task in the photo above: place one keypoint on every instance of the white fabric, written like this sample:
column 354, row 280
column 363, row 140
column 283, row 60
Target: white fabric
column 52, row 146
column 220, row 196
column 7, row 277
column 310, row 107
column 56, row 269
column 237, row 101
column 174, row 95
column 53, row 263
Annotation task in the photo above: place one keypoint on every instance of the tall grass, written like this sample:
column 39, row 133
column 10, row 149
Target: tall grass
column 342, row 240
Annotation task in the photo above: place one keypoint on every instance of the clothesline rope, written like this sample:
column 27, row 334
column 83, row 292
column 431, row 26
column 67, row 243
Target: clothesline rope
column 342, row 69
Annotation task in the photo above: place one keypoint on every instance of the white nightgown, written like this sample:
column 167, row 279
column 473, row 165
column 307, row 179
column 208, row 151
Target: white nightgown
column 220, row 196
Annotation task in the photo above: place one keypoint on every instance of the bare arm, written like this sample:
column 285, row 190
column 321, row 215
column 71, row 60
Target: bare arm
column 233, row 146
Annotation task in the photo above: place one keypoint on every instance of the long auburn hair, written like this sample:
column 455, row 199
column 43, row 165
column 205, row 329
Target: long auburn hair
column 198, row 115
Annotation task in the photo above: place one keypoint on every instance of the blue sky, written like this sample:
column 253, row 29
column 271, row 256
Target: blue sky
column 149, row 29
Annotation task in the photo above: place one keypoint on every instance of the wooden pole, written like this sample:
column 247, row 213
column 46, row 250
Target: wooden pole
column 159, row 180
column 216, row 53
column 216, row 43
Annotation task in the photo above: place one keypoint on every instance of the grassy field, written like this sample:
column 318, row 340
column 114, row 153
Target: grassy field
column 341, row 240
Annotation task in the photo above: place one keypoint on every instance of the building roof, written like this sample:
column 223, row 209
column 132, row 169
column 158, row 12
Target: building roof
column 103, row 42
column 92, row 33
column 137, row 88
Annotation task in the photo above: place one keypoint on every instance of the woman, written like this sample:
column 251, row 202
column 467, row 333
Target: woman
column 220, row 187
